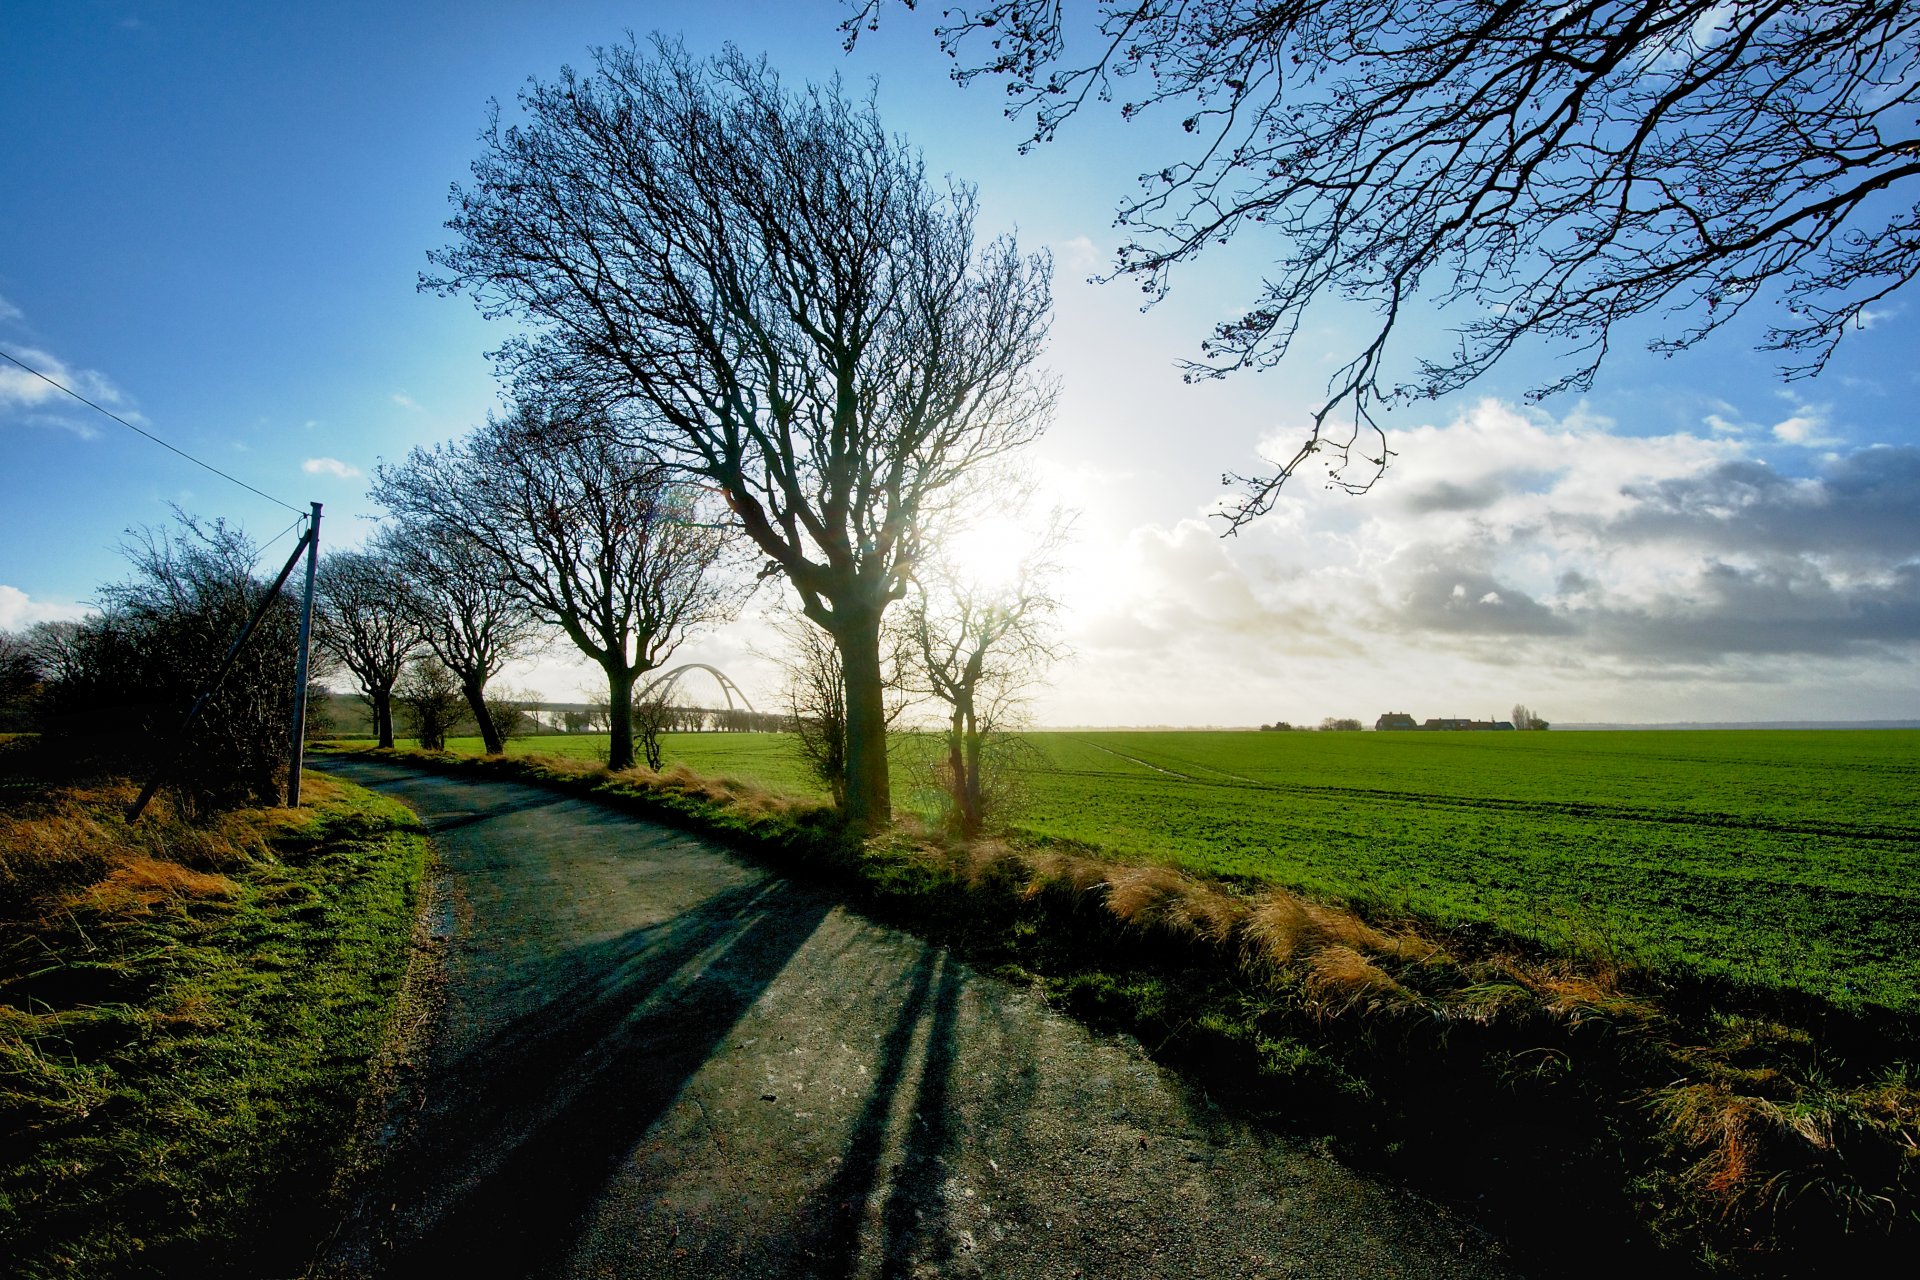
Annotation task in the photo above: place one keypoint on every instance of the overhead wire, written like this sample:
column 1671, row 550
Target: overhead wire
column 149, row 435
column 267, row 546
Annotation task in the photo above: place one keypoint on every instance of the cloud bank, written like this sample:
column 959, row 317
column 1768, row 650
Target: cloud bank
column 1513, row 556
column 18, row 610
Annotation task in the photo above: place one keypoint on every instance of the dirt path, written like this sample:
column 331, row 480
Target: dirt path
column 655, row 1059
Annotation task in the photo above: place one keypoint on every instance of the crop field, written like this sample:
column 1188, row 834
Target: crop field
column 1775, row 859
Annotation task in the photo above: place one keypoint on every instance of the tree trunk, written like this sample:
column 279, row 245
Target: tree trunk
column 619, row 717
column 956, row 771
column 477, row 704
column 974, row 815
column 869, row 803
column 383, row 715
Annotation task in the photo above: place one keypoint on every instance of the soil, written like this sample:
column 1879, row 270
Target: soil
column 650, row 1058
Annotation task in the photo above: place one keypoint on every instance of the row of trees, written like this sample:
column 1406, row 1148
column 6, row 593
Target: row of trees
column 753, row 327
column 762, row 294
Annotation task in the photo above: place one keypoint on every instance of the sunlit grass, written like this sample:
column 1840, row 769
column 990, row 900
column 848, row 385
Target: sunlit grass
column 187, row 1014
column 1769, row 859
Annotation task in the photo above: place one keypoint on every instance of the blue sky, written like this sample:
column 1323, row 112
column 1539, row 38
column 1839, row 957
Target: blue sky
column 215, row 216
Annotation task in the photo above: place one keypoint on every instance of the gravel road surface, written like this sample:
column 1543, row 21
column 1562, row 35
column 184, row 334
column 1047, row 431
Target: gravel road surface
column 654, row 1059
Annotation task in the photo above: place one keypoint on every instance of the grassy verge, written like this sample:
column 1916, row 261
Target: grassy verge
column 1597, row 1116
column 187, row 1014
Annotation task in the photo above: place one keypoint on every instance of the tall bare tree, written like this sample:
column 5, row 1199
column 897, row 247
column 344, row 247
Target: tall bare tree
column 470, row 616
column 1554, row 168
column 772, row 286
column 594, row 534
column 361, row 618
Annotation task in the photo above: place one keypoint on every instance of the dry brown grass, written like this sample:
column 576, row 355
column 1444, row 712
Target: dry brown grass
column 1729, row 1135
column 74, row 847
column 1341, row 980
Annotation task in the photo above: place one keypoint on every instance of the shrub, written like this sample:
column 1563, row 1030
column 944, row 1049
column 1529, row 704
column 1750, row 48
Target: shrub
column 133, row 671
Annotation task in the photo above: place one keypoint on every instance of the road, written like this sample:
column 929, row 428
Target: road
column 655, row 1059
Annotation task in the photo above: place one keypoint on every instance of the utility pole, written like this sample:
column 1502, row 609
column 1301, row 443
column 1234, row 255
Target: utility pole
column 300, row 667
column 179, row 738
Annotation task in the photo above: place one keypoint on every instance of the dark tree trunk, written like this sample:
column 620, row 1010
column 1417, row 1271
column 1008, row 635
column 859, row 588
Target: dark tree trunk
column 869, row 803
column 383, row 715
column 963, row 775
column 477, row 704
column 619, row 717
column 973, row 812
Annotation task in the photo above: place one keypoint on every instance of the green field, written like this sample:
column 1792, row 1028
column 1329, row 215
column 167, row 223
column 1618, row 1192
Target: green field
column 1776, row 859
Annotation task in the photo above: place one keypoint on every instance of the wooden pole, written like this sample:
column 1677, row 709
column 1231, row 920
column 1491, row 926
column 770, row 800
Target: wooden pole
column 298, row 755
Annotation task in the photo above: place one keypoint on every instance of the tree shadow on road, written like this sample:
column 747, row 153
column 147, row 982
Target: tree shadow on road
column 533, row 1121
column 913, row 1221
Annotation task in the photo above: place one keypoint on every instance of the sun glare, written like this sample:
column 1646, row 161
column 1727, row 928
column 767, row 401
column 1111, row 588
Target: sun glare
column 990, row 553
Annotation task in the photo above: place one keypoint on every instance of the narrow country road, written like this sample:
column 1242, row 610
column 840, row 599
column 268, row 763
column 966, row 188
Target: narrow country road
column 655, row 1059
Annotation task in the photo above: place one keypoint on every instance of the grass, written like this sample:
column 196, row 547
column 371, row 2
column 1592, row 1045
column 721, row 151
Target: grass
column 1775, row 862
column 1558, row 1096
column 187, row 1016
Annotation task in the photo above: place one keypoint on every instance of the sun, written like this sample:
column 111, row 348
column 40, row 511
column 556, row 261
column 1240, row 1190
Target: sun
column 989, row 554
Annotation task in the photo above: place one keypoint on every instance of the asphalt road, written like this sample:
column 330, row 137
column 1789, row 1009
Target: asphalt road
column 655, row 1059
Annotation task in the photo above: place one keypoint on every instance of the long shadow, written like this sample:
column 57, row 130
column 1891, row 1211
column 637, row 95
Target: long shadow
column 916, row 1213
column 548, row 1107
column 828, row 1241
column 535, row 800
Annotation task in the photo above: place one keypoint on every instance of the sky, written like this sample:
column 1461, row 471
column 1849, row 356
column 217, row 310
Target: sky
column 213, row 218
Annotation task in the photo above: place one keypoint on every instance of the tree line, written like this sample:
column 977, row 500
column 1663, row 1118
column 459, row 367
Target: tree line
column 759, row 345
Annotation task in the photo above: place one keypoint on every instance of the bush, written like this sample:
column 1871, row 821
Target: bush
column 430, row 699
column 133, row 672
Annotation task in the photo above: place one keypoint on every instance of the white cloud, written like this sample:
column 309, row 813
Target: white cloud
column 28, row 397
column 1080, row 254
column 1807, row 427
column 406, row 401
column 1512, row 555
column 1871, row 316
column 330, row 467
column 9, row 312
column 18, row 610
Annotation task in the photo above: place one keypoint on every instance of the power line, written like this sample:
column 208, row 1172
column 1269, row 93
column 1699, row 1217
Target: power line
column 149, row 435
column 267, row 546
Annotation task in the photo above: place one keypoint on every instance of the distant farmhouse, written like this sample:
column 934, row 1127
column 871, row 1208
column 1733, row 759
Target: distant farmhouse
column 1401, row 720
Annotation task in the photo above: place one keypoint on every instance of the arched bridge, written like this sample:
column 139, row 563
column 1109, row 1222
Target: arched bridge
column 665, row 684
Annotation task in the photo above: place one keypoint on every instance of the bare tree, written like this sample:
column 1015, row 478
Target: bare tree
column 978, row 649
column 471, row 617
column 1554, row 168
column 361, row 618
column 1522, row 717
column 19, row 679
column 431, row 696
column 816, row 698
column 592, row 533
column 133, row 671
column 652, row 716
column 55, row 647
column 769, row 283
column 511, row 713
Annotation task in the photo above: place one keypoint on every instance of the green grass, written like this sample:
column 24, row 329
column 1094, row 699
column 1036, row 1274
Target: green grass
column 182, row 1046
column 1770, row 859
column 1784, row 860
column 1555, row 1100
